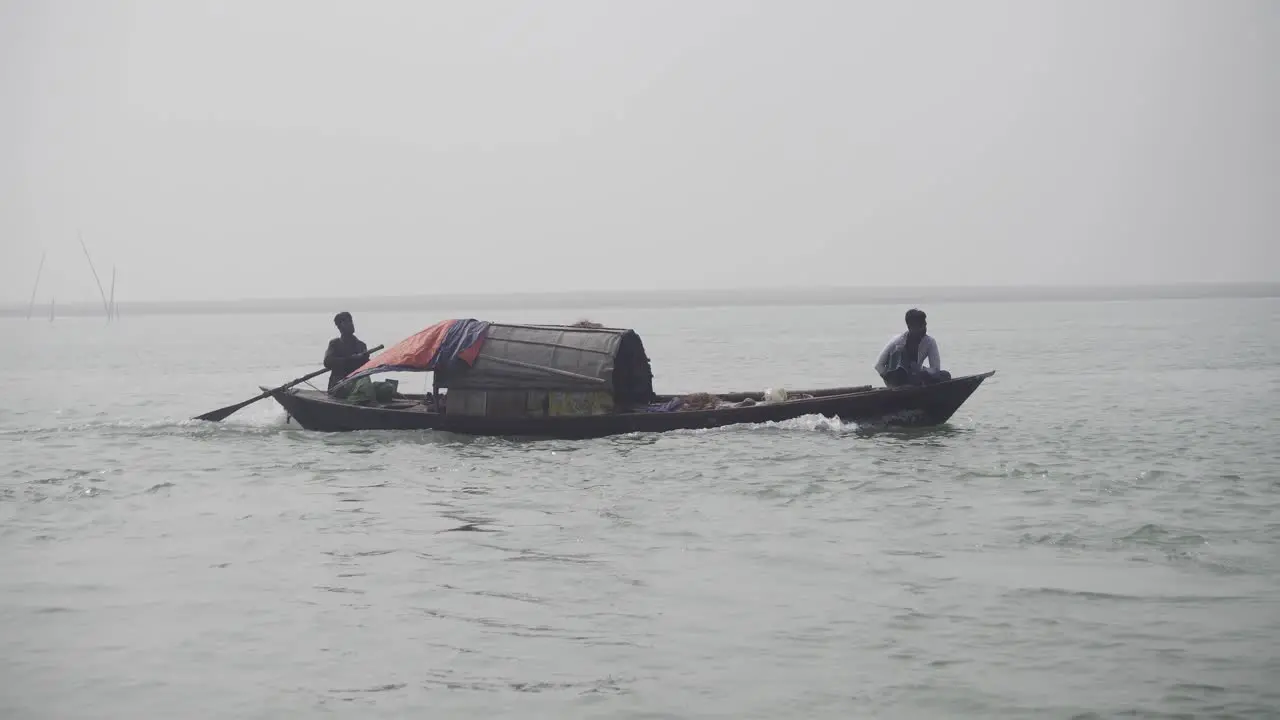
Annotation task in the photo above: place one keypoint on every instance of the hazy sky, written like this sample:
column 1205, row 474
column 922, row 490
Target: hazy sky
column 273, row 148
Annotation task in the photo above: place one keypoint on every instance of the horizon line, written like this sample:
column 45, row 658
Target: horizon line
column 738, row 296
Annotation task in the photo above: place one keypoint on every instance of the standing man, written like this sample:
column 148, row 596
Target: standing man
column 902, row 360
column 346, row 352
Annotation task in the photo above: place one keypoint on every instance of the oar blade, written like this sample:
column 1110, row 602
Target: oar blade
column 223, row 413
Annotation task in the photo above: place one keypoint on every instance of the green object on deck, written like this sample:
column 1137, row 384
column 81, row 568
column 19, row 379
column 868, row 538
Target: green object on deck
column 368, row 392
column 385, row 390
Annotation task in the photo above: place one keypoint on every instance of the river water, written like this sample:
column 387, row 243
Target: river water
column 1095, row 534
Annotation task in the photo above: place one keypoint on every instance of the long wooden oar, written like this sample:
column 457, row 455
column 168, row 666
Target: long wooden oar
column 223, row 413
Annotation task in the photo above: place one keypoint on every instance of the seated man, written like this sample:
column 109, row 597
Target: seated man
column 902, row 360
column 346, row 353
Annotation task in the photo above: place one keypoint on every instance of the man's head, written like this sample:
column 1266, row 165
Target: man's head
column 916, row 325
column 344, row 323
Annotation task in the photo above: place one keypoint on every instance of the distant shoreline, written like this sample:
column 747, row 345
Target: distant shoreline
column 649, row 299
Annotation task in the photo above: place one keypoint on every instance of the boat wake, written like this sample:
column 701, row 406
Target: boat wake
column 275, row 421
column 805, row 423
column 899, row 424
column 250, row 425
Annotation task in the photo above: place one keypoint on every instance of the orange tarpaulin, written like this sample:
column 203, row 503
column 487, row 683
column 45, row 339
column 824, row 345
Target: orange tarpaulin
column 439, row 344
column 413, row 353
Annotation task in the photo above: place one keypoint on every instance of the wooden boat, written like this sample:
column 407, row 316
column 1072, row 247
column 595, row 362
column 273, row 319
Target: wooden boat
column 543, row 381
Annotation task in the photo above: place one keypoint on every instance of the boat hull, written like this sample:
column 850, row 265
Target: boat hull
column 904, row 406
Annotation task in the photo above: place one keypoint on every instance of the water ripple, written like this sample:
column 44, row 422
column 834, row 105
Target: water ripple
column 1081, row 540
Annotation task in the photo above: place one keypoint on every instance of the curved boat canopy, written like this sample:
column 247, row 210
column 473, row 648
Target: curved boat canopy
column 475, row 355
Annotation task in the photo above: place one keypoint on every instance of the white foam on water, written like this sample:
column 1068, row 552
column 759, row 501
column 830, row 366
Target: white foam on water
column 241, row 422
column 810, row 423
column 264, row 414
column 805, row 423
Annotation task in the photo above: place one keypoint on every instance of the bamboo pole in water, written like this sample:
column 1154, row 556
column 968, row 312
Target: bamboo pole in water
column 31, row 306
column 106, row 308
column 111, row 304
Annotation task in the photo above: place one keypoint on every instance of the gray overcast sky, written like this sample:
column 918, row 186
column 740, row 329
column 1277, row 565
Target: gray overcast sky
column 272, row 148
